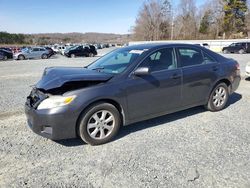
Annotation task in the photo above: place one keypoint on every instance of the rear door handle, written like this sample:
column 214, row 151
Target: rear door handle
column 176, row 76
column 215, row 68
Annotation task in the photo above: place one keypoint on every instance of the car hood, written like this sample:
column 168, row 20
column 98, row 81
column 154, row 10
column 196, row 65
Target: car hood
column 56, row 77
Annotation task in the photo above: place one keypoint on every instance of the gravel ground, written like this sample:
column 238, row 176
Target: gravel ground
column 192, row 148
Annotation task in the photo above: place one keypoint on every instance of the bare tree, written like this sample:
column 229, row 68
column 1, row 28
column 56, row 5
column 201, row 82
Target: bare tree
column 186, row 19
column 153, row 21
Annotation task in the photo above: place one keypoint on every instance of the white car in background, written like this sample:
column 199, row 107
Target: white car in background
column 248, row 69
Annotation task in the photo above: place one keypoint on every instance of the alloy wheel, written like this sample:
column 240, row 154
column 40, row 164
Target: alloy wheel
column 101, row 124
column 219, row 97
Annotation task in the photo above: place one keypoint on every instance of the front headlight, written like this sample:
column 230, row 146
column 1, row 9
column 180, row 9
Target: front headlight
column 55, row 101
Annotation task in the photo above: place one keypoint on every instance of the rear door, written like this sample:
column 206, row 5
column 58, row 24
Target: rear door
column 200, row 71
column 158, row 92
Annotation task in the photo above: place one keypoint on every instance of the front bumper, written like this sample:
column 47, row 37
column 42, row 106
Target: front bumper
column 235, row 83
column 56, row 124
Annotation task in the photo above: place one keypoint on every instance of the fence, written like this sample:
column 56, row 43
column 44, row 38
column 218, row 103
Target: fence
column 215, row 45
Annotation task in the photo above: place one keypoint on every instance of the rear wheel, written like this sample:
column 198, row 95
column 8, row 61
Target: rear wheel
column 21, row 57
column 218, row 98
column 5, row 58
column 91, row 55
column 44, row 56
column 72, row 55
column 99, row 124
column 241, row 51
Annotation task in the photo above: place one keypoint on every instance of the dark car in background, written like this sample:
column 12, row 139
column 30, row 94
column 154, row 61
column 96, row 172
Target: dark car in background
column 128, row 85
column 83, row 51
column 240, row 47
column 51, row 51
column 6, row 54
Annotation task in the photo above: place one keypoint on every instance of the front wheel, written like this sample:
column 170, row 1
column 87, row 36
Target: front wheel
column 99, row 124
column 21, row 57
column 218, row 98
column 72, row 55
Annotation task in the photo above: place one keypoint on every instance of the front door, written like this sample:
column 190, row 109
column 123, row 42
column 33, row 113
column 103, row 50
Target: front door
column 158, row 92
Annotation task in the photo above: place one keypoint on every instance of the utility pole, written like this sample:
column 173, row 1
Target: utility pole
column 172, row 24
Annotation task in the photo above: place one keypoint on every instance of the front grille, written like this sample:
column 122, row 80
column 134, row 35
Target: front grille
column 35, row 98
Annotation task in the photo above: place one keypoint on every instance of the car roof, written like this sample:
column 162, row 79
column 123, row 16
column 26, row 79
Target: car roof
column 158, row 45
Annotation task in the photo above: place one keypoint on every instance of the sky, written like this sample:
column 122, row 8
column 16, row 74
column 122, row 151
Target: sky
column 63, row 16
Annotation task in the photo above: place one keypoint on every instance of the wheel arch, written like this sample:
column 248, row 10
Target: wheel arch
column 116, row 104
column 223, row 80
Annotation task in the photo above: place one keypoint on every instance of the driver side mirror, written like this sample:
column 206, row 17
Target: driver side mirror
column 142, row 71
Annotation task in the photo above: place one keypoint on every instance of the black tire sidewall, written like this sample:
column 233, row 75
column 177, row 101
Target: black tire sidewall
column 211, row 105
column 44, row 56
column 84, row 118
column 21, row 57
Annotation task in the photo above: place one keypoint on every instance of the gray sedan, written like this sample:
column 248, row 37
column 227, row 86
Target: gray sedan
column 32, row 53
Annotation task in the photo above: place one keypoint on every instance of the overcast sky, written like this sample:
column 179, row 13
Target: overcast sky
column 48, row 16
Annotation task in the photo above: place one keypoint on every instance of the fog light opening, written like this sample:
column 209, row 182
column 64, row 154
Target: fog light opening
column 47, row 129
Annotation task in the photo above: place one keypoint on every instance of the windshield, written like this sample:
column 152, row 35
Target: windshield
column 116, row 61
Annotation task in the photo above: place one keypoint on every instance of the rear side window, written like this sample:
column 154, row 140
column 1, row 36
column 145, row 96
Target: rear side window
column 190, row 56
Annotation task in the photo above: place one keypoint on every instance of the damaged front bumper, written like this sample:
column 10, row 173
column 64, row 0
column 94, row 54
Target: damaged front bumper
column 56, row 123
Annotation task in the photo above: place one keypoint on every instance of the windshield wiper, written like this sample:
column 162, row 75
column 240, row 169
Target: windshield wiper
column 98, row 68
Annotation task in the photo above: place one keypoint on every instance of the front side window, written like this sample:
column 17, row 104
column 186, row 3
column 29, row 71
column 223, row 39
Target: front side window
column 35, row 49
column 190, row 57
column 116, row 62
column 163, row 59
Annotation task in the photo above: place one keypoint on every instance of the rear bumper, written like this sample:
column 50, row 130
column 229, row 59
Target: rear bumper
column 235, row 84
column 55, row 124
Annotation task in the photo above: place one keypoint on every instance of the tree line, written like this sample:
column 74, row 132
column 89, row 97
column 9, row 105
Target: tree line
column 8, row 38
column 215, row 19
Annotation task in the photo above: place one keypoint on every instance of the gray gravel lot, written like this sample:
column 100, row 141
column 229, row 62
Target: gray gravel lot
column 192, row 148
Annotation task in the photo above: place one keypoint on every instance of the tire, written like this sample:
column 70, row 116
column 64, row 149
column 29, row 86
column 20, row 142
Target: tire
column 91, row 55
column 44, row 56
column 241, row 51
column 72, row 55
column 5, row 58
column 225, row 51
column 21, row 57
column 95, row 127
column 218, row 98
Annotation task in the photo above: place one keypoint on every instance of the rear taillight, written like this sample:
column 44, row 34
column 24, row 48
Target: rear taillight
column 237, row 66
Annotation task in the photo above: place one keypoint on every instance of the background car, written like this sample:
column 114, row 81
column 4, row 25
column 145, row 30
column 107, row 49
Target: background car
column 32, row 53
column 240, row 47
column 51, row 51
column 6, row 54
column 84, row 51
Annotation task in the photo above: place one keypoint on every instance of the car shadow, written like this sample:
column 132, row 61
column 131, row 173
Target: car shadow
column 126, row 130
